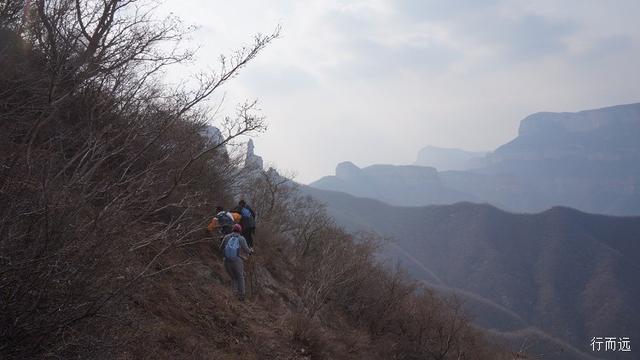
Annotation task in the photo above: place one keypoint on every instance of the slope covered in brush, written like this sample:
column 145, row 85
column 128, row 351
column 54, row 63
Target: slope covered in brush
column 107, row 182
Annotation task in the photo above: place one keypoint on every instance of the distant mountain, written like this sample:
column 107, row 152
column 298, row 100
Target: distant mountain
column 399, row 185
column 589, row 160
column 445, row 159
column 555, row 279
column 607, row 135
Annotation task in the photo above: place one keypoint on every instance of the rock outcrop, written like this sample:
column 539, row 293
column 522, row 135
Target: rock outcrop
column 253, row 161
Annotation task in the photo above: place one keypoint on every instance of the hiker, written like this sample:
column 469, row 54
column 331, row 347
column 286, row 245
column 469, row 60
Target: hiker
column 236, row 216
column 223, row 220
column 248, row 221
column 231, row 247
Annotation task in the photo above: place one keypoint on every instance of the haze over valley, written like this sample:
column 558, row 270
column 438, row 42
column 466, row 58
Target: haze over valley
column 589, row 160
column 509, row 232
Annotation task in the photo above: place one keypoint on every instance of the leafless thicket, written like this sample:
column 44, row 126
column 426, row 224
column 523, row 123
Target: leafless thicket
column 102, row 167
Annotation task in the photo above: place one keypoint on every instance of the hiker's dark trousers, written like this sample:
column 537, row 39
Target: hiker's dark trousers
column 248, row 235
column 235, row 269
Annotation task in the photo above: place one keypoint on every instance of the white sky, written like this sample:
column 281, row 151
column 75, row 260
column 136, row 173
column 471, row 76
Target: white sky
column 375, row 81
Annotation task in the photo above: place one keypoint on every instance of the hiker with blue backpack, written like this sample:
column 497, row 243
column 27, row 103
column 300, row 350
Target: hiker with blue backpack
column 232, row 247
column 247, row 220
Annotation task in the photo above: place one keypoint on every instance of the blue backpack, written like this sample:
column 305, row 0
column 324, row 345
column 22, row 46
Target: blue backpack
column 248, row 222
column 232, row 248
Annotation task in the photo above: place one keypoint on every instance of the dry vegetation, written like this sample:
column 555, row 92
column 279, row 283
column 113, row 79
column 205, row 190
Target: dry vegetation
column 106, row 185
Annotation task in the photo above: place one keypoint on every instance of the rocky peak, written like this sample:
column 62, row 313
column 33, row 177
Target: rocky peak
column 214, row 136
column 212, row 133
column 253, row 161
column 347, row 170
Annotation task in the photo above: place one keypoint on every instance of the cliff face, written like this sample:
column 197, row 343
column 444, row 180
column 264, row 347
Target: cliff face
column 601, row 135
column 588, row 160
column 583, row 121
column 213, row 135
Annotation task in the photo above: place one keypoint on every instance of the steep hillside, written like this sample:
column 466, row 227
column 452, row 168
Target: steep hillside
column 570, row 274
column 108, row 180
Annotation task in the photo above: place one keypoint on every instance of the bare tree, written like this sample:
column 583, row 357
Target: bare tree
column 104, row 170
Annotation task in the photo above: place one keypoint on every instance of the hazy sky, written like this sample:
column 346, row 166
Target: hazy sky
column 375, row 81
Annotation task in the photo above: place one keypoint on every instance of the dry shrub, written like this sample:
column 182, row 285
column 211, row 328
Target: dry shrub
column 309, row 335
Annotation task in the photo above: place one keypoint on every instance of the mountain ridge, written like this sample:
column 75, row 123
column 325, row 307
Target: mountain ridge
column 586, row 160
column 399, row 185
column 445, row 159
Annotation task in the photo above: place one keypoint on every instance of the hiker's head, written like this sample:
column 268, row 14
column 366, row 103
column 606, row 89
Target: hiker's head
column 242, row 203
column 237, row 228
column 219, row 208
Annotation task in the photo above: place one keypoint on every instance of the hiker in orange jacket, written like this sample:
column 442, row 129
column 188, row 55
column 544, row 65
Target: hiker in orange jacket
column 223, row 221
